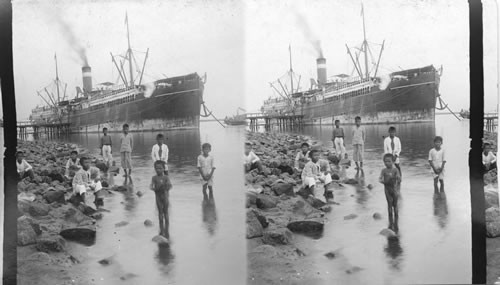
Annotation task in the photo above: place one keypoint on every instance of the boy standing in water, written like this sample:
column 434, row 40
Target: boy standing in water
column 358, row 142
column 206, row 167
column 302, row 157
column 161, row 185
column 160, row 151
column 338, row 140
column 126, row 146
column 437, row 160
column 106, row 146
column 392, row 145
column 389, row 176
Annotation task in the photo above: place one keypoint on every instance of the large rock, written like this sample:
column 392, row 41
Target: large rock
column 315, row 202
column 388, row 233
column 251, row 199
column 55, row 175
column 493, row 229
column 161, row 240
column 254, row 227
column 52, row 243
column 26, row 233
column 492, row 214
column 38, row 209
column 82, row 233
column 102, row 166
column 266, row 201
column 305, row 226
column 54, row 196
column 283, row 188
column 491, row 198
column 277, row 236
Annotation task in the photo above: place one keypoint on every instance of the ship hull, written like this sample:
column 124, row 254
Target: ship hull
column 402, row 101
column 158, row 112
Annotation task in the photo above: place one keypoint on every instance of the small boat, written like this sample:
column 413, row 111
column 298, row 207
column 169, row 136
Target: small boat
column 237, row 120
column 465, row 114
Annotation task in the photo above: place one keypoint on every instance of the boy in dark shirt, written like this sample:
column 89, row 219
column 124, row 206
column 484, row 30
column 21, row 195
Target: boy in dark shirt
column 390, row 177
column 161, row 185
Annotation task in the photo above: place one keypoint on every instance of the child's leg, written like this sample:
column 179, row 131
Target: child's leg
column 436, row 190
column 361, row 154
column 159, row 206
column 396, row 212
column 204, row 190
column 442, row 185
column 165, row 217
column 210, row 191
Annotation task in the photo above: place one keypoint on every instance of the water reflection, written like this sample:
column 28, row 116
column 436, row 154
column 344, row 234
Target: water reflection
column 441, row 209
column 362, row 195
column 130, row 199
column 394, row 252
column 209, row 212
column 164, row 256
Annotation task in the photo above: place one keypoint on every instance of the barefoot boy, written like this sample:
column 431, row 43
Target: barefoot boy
column 161, row 185
column 206, row 167
column 489, row 159
column 392, row 145
column 389, row 176
column 251, row 160
column 106, row 146
column 437, row 161
column 302, row 157
column 312, row 174
column 72, row 165
column 338, row 141
column 126, row 146
column 24, row 169
column 160, row 151
column 86, row 181
column 358, row 142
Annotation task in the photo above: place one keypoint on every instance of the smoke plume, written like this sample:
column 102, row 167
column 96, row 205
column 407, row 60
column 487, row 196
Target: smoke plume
column 309, row 34
column 150, row 87
column 384, row 81
column 72, row 40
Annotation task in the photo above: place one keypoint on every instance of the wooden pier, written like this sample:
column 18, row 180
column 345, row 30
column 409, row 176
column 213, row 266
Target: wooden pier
column 280, row 120
column 490, row 121
column 25, row 128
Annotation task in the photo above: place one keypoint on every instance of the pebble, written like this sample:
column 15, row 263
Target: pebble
column 148, row 223
column 121, row 224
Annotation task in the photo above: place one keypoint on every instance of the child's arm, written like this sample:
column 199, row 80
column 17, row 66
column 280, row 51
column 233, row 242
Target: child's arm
column 131, row 142
column 442, row 164
column 152, row 185
column 198, row 164
column 213, row 169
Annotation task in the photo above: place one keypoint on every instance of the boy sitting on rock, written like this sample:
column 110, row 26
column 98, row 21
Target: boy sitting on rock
column 251, row 160
column 24, row 169
column 73, row 165
column 302, row 157
column 86, row 179
column 313, row 174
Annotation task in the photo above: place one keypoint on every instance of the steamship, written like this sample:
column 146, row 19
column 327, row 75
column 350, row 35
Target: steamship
column 169, row 103
column 403, row 96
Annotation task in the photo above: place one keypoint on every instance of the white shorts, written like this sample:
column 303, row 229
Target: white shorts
column 106, row 153
column 339, row 146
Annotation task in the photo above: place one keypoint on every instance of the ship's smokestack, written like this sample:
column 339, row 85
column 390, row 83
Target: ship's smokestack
column 87, row 78
column 321, row 65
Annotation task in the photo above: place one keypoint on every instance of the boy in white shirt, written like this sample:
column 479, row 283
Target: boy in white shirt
column 251, row 160
column 206, row 167
column 160, row 151
column 489, row 159
column 72, row 165
column 24, row 169
column 437, row 160
column 86, row 181
column 392, row 145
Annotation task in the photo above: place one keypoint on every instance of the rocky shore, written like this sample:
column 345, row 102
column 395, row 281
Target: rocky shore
column 278, row 213
column 492, row 215
column 47, row 219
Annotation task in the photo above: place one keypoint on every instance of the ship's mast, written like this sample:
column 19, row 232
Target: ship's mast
column 57, row 79
column 365, row 43
column 291, row 70
column 129, row 53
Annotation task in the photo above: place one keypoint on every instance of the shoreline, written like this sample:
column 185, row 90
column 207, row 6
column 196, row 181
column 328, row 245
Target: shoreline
column 47, row 220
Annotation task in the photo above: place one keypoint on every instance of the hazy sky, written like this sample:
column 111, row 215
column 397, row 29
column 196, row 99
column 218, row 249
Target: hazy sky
column 242, row 46
column 182, row 36
column 416, row 33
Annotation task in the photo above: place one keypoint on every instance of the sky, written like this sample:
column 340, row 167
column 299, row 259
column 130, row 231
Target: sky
column 417, row 33
column 242, row 46
column 182, row 36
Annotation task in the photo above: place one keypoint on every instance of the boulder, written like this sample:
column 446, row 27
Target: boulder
column 491, row 198
column 353, row 270
column 54, row 196
column 102, row 166
column 52, row 243
column 86, row 209
column 121, row 224
column 57, row 176
column 305, row 226
column 315, row 202
column 81, row 233
column 23, row 206
column 266, row 201
column 305, row 192
column 139, row 193
column 254, row 227
column 148, row 223
column 493, row 229
column 38, row 209
column 251, row 199
column 277, row 236
column 96, row 216
column 377, row 216
column 388, row 233
column 492, row 214
column 350, row 217
column 330, row 255
column 283, row 188
column 25, row 232
column 161, row 240
column 350, row 181
column 262, row 219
